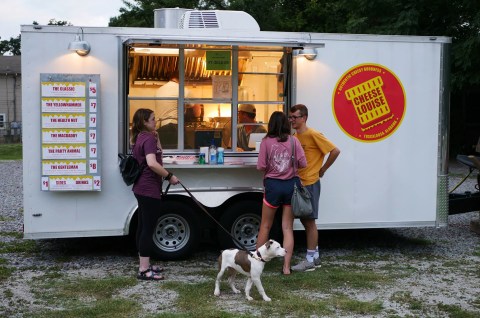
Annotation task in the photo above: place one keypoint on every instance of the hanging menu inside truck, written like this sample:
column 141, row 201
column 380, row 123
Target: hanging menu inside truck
column 70, row 132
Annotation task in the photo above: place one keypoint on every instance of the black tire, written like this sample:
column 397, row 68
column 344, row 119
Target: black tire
column 242, row 220
column 176, row 231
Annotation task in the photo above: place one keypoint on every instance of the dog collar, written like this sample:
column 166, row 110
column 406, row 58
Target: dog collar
column 260, row 256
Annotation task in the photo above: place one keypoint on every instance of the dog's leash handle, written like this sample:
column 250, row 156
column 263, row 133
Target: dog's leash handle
column 164, row 193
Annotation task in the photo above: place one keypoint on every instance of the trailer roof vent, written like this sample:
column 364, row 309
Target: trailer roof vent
column 217, row 19
column 199, row 20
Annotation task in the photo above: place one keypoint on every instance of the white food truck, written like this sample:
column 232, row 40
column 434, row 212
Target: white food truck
column 383, row 100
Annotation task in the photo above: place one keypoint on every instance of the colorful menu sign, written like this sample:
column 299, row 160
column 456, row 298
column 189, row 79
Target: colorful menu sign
column 70, row 132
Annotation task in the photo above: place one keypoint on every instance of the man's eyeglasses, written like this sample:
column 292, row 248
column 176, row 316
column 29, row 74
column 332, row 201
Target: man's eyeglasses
column 292, row 117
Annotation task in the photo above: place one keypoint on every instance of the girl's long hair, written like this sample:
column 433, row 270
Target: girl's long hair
column 278, row 126
column 138, row 125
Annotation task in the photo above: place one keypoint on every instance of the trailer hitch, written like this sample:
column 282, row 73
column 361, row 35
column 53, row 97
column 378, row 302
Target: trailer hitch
column 467, row 201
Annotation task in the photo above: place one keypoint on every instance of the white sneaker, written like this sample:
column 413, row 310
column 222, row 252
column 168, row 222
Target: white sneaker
column 304, row 266
column 317, row 263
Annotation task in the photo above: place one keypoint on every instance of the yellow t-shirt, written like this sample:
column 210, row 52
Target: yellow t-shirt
column 316, row 146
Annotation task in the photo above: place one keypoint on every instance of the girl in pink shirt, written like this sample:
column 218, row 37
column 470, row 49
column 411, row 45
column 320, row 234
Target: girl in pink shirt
column 276, row 159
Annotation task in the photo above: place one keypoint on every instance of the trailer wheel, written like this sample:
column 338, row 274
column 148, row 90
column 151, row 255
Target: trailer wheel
column 242, row 220
column 176, row 231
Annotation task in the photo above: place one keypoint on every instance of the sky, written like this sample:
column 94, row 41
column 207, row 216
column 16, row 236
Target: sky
column 14, row 13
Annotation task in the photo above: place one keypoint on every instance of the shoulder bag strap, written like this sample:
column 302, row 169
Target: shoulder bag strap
column 293, row 155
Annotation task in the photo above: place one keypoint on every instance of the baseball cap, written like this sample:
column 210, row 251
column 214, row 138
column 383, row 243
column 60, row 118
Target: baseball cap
column 247, row 108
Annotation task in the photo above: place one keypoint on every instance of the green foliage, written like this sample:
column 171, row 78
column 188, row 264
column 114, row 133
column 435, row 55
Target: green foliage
column 477, row 252
column 11, row 46
column 459, row 19
column 10, row 151
column 22, row 246
column 83, row 297
column 287, row 292
column 55, row 22
column 406, row 298
column 457, row 312
column 5, row 273
column 17, row 235
column 118, row 308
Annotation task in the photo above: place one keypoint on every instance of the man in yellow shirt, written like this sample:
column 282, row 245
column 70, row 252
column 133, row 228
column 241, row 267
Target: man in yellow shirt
column 316, row 147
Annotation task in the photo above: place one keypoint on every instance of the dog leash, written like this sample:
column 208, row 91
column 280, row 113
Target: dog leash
column 258, row 256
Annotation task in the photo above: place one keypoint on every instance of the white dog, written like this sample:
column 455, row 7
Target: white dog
column 236, row 260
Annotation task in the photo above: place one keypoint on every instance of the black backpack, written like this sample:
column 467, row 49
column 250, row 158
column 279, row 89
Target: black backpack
column 129, row 168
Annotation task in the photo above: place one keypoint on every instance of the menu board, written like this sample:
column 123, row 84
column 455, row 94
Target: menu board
column 70, row 126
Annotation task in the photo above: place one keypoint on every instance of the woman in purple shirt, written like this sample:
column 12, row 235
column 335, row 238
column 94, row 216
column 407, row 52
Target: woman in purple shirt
column 148, row 188
column 276, row 159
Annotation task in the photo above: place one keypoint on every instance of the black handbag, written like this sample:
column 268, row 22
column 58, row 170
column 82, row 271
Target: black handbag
column 301, row 198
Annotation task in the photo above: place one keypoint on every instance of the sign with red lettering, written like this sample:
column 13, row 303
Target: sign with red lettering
column 70, row 183
column 70, row 129
column 63, row 151
column 63, row 105
column 57, row 167
column 60, row 136
column 369, row 102
column 70, row 89
column 61, row 120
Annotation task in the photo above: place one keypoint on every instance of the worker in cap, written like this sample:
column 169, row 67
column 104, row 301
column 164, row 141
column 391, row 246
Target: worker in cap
column 246, row 117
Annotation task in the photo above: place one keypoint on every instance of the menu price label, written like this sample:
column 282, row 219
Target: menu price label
column 70, row 126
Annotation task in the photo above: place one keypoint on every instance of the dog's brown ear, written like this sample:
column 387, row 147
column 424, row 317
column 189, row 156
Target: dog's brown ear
column 269, row 242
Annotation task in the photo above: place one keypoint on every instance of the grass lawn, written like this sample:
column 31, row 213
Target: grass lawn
column 10, row 151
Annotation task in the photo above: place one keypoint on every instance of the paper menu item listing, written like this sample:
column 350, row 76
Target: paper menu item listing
column 71, row 183
column 63, row 104
column 64, row 136
column 63, row 88
column 70, row 127
column 64, row 151
column 64, row 167
column 64, row 120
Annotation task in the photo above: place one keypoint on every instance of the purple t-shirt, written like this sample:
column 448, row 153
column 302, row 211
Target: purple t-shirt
column 275, row 158
column 149, row 184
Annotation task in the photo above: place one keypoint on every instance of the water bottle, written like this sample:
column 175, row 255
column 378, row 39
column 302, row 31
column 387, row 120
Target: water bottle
column 220, row 160
column 213, row 153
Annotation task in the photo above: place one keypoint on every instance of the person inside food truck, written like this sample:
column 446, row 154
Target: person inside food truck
column 194, row 113
column 167, row 111
column 247, row 126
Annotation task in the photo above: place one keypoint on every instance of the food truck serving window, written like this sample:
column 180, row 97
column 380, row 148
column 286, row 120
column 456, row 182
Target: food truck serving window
column 205, row 93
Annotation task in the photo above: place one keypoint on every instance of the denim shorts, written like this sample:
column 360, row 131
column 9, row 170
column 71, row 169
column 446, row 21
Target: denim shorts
column 279, row 192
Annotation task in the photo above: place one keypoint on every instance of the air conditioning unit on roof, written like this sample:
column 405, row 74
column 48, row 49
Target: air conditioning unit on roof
column 218, row 19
